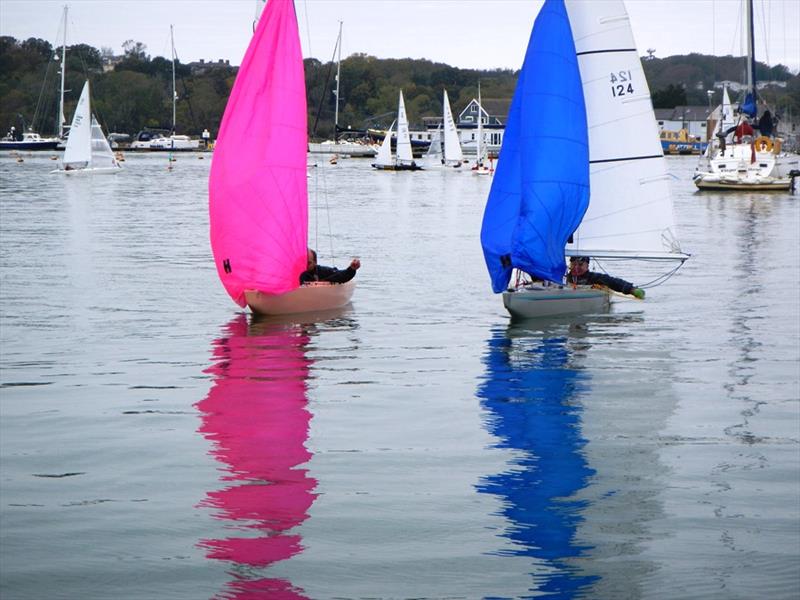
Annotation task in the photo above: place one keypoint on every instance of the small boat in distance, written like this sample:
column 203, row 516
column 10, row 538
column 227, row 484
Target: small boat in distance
column 738, row 159
column 87, row 151
column 453, row 155
column 483, row 164
column 258, row 186
column 404, row 161
column 567, row 182
column 163, row 140
column 337, row 145
column 29, row 140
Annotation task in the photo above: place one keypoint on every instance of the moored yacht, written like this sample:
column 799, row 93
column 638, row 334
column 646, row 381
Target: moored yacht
column 738, row 158
column 28, row 141
column 152, row 139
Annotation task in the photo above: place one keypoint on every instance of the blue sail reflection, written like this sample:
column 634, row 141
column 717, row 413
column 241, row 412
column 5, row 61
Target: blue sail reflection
column 528, row 394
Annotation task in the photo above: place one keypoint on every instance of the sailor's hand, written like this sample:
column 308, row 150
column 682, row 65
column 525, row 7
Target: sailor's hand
column 638, row 293
column 355, row 264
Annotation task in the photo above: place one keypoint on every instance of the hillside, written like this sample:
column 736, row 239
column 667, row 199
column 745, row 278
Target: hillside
column 134, row 91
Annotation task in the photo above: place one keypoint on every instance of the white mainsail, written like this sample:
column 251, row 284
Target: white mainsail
column 452, row 147
column 78, row 152
column 404, row 155
column 630, row 207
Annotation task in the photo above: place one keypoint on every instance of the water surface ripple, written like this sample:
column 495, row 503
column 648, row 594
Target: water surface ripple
column 156, row 442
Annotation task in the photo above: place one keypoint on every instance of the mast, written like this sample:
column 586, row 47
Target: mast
column 174, row 92
column 338, row 71
column 60, row 116
column 479, row 158
column 751, row 57
column 750, row 105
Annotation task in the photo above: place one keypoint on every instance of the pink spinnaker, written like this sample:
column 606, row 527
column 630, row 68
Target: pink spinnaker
column 258, row 190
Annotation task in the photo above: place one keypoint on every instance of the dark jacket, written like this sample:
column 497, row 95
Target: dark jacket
column 329, row 274
column 592, row 278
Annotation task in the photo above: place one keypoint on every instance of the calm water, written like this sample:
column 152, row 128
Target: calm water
column 157, row 443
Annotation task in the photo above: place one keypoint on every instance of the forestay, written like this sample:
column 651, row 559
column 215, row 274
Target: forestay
column 258, row 204
column 630, row 212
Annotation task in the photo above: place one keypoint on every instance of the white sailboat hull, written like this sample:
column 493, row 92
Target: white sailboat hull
column 535, row 301
column 90, row 171
column 342, row 149
column 169, row 144
column 307, row 298
column 741, row 167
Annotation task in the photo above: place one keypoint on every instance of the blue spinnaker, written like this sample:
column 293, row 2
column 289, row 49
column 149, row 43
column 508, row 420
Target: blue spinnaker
column 749, row 105
column 540, row 190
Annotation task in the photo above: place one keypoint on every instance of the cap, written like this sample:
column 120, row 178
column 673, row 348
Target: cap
column 580, row 259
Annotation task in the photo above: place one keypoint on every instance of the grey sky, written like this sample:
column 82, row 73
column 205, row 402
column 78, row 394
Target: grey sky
column 464, row 33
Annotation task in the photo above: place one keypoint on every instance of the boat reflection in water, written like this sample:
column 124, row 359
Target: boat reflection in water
column 530, row 394
column 256, row 418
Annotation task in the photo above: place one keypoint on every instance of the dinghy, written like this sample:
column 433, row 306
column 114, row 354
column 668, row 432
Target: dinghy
column 445, row 148
column 453, row 155
column 88, row 150
column 258, row 188
column 404, row 160
column 581, row 172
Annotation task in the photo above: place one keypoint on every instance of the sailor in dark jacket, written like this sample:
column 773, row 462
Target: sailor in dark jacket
column 580, row 274
column 315, row 272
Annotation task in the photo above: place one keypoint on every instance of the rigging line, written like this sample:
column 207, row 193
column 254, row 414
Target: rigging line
column 765, row 33
column 608, row 50
column 325, row 89
column 328, row 216
column 653, row 282
column 608, row 160
column 308, row 28
column 714, row 45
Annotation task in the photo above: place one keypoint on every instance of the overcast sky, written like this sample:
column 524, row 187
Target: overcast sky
column 481, row 34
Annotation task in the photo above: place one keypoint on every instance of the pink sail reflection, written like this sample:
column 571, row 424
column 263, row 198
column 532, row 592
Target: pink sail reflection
column 256, row 418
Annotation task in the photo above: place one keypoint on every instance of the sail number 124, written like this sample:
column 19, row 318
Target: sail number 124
column 621, row 83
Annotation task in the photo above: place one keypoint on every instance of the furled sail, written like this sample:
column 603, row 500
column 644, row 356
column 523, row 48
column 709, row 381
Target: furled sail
column 540, row 189
column 630, row 212
column 258, row 190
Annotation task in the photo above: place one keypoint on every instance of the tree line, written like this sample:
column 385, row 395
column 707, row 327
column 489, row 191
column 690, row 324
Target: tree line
column 135, row 92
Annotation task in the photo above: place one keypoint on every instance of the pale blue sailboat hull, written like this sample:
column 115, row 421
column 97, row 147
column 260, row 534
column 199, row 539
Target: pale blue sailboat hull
column 536, row 301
